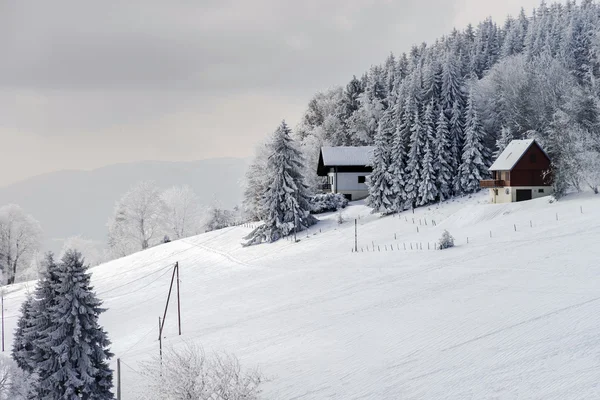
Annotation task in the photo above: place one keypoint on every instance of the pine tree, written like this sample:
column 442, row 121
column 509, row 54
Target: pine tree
column 414, row 162
column 397, row 166
column 22, row 346
column 380, row 181
column 473, row 167
column 37, row 347
column 456, row 143
column 286, row 201
column 443, row 158
column 77, row 367
column 427, row 188
column 505, row 138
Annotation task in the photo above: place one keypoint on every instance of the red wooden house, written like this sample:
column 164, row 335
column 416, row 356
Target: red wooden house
column 521, row 172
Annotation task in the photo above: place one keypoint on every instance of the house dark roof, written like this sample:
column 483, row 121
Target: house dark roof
column 507, row 160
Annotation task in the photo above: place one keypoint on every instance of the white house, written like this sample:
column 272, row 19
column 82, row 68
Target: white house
column 521, row 172
column 346, row 169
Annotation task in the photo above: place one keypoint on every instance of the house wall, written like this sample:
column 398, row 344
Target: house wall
column 511, row 197
column 347, row 183
column 528, row 172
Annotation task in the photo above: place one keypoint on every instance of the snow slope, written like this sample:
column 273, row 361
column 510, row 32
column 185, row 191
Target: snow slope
column 515, row 315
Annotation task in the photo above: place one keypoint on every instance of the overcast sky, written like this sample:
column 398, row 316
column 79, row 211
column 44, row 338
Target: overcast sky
column 85, row 84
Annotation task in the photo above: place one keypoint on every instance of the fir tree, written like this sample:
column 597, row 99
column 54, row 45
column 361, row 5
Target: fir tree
column 397, row 166
column 380, row 181
column 473, row 167
column 505, row 138
column 456, row 143
column 22, row 345
column 37, row 348
column 414, row 162
column 286, row 201
column 427, row 188
column 77, row 367
column 443, row 158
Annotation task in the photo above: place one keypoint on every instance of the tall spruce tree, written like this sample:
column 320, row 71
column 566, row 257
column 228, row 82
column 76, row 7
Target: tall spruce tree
column 427, row 187
column 77, row 366
column 506, row 136
column 473, row 167
column 285, row 205
column 37, row 348
column 380, row 181
column 22, row 345
column 443, row 158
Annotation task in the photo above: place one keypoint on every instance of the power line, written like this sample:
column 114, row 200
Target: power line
column 138, row 342
column 167, row 268
column 133, row 369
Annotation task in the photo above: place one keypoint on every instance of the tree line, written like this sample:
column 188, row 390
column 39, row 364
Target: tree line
column 439, row 114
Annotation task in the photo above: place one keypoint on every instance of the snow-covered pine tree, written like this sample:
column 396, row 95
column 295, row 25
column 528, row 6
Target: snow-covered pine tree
column 380, row 181
column 427, row 186
column 456, row 144
column 77, row 366
column 443, row 158
column 399, row 141
column 506, row 136
column 22, row 347
column 37, row 347
column 473, row 167
column 286, row 202
column 414, row 161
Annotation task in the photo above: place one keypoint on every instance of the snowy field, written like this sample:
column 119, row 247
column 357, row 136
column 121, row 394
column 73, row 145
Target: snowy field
column 514, row 315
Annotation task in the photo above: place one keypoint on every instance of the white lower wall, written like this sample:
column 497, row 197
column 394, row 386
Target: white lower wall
column 511, row 196
column 347, row 183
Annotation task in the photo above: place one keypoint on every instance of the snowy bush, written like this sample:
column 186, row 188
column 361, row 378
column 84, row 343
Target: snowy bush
column 327, row 202
column 187, row 373
column 340, row 217
column 446, row 241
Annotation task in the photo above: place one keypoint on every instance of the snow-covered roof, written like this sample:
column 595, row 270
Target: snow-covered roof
column 511, row 155
column 347, row 155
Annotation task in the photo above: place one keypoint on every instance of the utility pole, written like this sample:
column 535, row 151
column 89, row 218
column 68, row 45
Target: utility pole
column 118, row 379
column 3, row 321
column 355, row 235
column 178, row 299
column 160, row 338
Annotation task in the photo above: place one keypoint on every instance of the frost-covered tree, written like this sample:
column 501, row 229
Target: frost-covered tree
column 443, row 158
column 138, row 220
column 380, row 181
column 182, row 212
column 22, row 345
column 15, row 383
column 20, row 237
column 414, row 161
column 31, row 345
column 506, row 136
column 286, row 201
column 255, row 184
column 188, row 373
column 91, row 250
column 77, row 364
column 473, row 168
column 427, row 187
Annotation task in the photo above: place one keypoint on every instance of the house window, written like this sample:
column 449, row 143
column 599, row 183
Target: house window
column 540, row 190
column 361, row 179
column 532, row 158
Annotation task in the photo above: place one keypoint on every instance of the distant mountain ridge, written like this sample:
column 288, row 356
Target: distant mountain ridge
column 74, row 202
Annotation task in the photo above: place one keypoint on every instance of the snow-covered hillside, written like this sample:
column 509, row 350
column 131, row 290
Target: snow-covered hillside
column 514, row 315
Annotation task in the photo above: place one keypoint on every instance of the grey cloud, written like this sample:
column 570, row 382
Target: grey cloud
column 96, row 82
